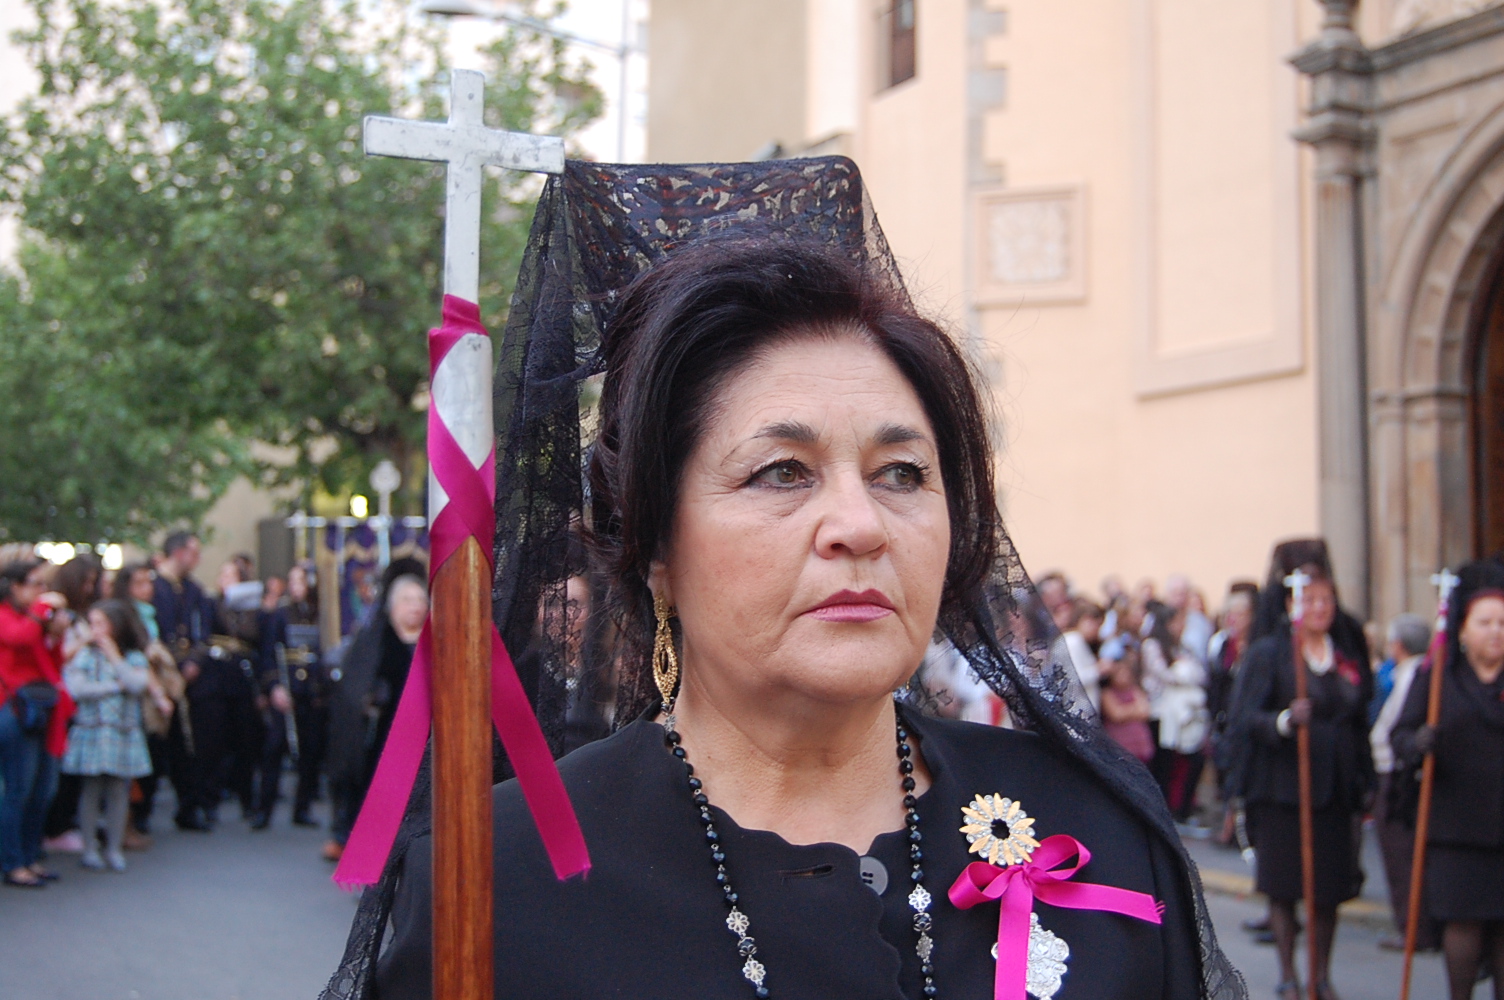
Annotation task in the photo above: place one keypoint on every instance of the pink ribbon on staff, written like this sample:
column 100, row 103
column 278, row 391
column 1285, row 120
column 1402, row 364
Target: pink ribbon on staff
column 1041, row 877
column 468, row 514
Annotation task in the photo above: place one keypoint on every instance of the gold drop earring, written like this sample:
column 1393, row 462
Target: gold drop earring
column 665, row 658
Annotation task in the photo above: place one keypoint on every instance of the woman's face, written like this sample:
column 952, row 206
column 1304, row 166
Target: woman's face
column 1238, row 616
column 99, row 627
column 297, row 583
column 1320, row 603
column 24, row 593
column 812, row 535
column 409, row 607
column 1482, row 632
column 141, row 586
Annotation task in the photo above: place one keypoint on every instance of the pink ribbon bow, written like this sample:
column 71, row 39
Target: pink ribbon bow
column 468, row 514
column 1041, row 877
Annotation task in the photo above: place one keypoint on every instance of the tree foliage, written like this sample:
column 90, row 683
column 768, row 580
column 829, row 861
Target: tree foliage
column 208, row 258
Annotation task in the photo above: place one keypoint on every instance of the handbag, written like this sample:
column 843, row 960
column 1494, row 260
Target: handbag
column 33, row 704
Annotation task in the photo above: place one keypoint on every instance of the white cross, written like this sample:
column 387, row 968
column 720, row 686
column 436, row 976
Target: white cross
column 1297, row 582
column 1445, row 582
column 466, row 146
column 461, row 387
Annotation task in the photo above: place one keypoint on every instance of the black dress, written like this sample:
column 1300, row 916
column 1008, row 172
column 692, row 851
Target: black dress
column 1465, row 843
column 1341, row 771
column 649, row 920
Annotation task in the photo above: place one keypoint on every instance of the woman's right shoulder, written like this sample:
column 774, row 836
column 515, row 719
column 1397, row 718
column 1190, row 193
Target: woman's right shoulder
column 600, row 777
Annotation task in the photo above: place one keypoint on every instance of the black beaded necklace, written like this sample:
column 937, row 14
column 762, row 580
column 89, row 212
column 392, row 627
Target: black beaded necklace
column 736, row 921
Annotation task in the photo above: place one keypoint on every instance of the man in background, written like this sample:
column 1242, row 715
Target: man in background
column 185, row 619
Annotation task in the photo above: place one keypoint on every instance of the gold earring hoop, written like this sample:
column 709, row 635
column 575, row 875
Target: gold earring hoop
column 665, row 658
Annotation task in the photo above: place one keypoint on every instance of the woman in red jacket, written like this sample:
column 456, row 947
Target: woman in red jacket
column 33, row 719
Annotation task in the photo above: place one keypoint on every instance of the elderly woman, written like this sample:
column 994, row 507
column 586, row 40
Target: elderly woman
column 1267, row 715
column 1465, row 846
column 791, row 486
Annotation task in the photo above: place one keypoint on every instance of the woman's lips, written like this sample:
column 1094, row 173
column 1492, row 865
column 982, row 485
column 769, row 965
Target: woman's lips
column 848, row 606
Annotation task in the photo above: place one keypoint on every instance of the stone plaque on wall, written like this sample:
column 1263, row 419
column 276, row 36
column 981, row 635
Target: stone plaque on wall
column 1030, row 246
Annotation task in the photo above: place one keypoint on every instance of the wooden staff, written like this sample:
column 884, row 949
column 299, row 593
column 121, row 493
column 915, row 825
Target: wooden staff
column 462, row 850
column 1297, row 582
column 461, row 617
column 1445, row 582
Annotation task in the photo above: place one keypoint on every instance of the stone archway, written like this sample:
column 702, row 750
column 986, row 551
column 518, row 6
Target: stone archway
column 1487, row 419
column 1414, row 131
column 1432, row 313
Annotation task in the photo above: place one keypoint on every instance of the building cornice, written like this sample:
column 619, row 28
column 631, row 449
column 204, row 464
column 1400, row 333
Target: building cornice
column 1442, row 38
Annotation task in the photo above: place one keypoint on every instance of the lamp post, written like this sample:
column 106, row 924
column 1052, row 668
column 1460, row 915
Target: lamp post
column 509, row 13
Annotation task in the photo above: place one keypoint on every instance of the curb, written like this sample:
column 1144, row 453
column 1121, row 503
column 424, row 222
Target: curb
column 1367, row 912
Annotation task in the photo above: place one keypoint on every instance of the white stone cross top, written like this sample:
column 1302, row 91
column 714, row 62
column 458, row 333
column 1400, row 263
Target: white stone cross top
column 461, row 386
column 1445, row 582
column 466, row 146
column 1298, row 582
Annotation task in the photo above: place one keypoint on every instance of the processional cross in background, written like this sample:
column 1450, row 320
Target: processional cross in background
column 460, row 395
column 1445, row 582
column 1298, row 581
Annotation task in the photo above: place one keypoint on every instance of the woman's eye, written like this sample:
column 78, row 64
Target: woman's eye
column 781, row 474
column 901, row 475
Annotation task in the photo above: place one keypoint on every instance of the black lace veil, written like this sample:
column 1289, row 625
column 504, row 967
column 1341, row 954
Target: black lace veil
column 597, row 227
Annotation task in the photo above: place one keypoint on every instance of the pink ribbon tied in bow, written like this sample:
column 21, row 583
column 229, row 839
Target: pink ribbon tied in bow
column 1041, row 877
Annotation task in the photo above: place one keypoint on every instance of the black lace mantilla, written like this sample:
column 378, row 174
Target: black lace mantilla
column 597, row 227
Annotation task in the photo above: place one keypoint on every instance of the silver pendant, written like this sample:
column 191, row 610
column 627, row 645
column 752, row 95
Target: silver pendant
column 1048, row 955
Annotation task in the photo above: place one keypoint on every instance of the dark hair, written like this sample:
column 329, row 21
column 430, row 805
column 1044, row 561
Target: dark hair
column 78, row 581
column 120, row 590
column 1159, row 615
column 16, row 572
column 1082, row 609
column 129, row 632
column 690, row 323
column 1247, row 587
column 176, row 540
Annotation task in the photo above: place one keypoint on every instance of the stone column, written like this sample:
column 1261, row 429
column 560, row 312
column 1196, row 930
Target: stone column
column 1337, row 128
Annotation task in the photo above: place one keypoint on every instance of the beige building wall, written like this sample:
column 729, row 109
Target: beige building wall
column 1120, row 230
column 1162, row 409
column 733, row 72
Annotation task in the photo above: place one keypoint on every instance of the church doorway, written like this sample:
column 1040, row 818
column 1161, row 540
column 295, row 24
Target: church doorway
column 1488, row 421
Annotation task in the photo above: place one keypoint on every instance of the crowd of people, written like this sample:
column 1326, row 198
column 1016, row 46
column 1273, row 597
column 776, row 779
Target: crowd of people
column 113, row 680
column 1208, row 702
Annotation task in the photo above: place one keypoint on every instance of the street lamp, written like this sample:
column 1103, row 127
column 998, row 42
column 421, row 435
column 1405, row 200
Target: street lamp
column 510, row 13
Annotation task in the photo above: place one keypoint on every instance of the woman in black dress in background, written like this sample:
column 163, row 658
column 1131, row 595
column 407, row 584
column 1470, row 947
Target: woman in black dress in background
column 1266, row 714
column 1465, row 846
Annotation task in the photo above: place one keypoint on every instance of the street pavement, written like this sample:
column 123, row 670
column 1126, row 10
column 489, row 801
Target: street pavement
column 1360, row 969
column 229, row 915
column 236, row 915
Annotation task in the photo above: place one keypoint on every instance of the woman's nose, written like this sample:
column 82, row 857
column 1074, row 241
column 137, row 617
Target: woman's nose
column 851, row 521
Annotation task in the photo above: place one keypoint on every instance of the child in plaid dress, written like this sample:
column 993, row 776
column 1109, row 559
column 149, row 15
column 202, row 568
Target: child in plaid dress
column 107, row 744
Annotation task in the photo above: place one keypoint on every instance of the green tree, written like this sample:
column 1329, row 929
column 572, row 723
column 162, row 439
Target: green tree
column 208, row 258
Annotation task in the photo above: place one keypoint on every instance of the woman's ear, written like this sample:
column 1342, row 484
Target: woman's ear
column 658, row 582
